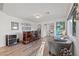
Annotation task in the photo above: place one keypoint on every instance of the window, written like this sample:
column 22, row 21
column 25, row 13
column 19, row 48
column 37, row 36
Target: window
column 71, row 23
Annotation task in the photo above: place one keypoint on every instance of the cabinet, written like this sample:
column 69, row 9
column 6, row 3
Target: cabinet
column 27, row 37
column 30, row 36
column 11, row 40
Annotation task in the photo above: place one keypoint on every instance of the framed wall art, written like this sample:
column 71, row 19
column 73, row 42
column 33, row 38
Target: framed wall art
column 14, row 26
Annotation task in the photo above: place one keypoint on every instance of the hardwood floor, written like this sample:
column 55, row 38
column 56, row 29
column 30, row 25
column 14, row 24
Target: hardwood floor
column 25, row 50
column 21, row 49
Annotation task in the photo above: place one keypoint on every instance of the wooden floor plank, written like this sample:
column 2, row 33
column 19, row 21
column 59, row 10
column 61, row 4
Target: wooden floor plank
column 20, row 49
column 24, row 49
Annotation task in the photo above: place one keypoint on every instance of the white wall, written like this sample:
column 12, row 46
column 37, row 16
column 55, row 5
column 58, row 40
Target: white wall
column 5, row 27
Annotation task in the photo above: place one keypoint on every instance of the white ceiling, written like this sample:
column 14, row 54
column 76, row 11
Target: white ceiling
column 28, row 10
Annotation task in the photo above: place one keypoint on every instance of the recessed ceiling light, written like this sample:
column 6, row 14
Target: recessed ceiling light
column 37, row 16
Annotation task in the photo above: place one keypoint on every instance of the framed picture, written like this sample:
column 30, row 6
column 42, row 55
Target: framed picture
column 60, row 29
column 26, row 26
column 14, row 26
